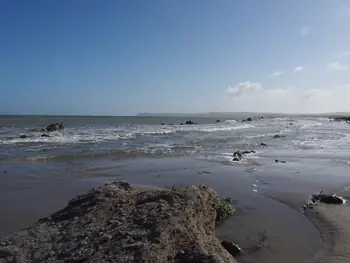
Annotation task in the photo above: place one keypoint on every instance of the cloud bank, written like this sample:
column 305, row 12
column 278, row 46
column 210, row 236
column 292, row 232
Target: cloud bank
column 243, row 88
column 290, row 100
column 336, row 66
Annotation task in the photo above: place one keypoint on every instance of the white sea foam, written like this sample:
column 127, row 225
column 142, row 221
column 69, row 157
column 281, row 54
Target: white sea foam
column 231, row 121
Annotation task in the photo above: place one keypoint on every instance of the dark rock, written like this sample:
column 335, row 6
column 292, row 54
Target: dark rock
column 342, row 118
column 45, row 135
column 263, row 144
column 277, row 136
column 327, row 199
column 171, row 124
column 291, row 123
column 238, row 154
column 236, row 159
column 228, row 199
column 189, row 122
column 248, row 152
column 117, row 223
column 249, row 119
column 280, row 161
column 61, row 126
column 52, row 127
column 181, row 123
column 162, row 123
column 232, row 248
column 23, row 136
column 217, row 120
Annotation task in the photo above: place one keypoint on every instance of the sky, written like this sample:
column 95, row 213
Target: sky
column 111, row 57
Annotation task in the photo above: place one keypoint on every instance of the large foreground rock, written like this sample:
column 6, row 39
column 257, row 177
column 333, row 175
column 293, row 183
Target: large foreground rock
column 116, row 223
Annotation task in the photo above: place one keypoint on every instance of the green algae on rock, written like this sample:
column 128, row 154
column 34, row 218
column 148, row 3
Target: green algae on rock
column 223, row 210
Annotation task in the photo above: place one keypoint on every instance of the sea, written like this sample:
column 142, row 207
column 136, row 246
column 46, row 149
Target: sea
column 292, row 157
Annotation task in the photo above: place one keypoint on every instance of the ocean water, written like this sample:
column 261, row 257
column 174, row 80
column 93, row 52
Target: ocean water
column 101, row 140
column 108, row 146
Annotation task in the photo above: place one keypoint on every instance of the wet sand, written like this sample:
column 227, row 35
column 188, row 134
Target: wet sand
column 267, row 224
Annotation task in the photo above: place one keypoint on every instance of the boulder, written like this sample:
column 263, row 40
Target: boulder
column 276, row 136
column 217, row 120
column 342, row 118
column 263, row 144
column 238, row 154
column 117, row 223
column 328, row 199
column 61, row 126
column 248, row 152
column 189, row 122
column 52, row 127
column 45, row 135
column 249, row 119
column 23, row 136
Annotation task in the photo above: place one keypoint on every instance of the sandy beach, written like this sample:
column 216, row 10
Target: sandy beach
column 267, row 228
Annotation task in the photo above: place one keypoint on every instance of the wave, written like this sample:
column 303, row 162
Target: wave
column 98, row 135
column 231, row 121
column 310, row 125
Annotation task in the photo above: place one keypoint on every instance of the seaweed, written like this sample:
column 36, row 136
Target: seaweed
column 223, row 210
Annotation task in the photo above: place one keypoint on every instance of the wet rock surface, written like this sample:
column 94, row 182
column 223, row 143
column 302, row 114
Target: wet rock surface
column 232, row 248
column 117, row 223
column 327, row 199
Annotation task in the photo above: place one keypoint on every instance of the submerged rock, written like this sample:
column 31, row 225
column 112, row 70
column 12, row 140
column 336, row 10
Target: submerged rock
column 279, row 161
column 248, row 152
column 116, row 223
column 36, row 130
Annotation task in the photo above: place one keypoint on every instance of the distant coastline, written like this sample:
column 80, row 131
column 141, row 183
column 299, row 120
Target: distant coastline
column 205, row 114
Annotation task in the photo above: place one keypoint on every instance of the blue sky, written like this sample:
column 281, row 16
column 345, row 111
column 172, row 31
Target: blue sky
column 124, row 57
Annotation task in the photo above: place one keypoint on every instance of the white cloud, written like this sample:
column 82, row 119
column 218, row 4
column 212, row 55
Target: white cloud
column 298, row 69
column 336, row 66
column 243, row 88
column 275, row 74
column 304, row 31
column 291, row 100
